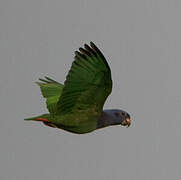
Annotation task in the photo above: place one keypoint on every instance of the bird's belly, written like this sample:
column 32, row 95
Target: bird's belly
column 81, row 128
column 78, row 124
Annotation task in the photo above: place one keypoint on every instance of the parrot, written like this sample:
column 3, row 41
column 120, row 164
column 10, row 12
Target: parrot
column 77, row 105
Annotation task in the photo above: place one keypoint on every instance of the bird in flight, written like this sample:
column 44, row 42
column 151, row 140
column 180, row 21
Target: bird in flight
column 77, row 106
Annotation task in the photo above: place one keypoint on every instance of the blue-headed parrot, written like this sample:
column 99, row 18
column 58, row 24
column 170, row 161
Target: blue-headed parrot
column 77, row 106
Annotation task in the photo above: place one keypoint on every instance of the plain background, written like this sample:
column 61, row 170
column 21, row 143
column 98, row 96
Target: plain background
column 141, row 40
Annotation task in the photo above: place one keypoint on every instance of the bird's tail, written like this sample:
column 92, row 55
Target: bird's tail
column 43, row 118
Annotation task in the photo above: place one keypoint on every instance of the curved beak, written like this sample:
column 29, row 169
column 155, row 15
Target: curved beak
column 126, row 122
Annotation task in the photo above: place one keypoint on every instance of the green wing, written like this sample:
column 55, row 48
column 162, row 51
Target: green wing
column 88, row 82
column 51, row 90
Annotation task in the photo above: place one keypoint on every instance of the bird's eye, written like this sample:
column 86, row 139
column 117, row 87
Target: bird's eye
column 123, row 113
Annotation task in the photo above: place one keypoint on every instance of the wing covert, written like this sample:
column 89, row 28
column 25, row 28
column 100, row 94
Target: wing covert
column 88, row 82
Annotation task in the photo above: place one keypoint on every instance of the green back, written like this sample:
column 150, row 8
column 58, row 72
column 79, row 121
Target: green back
column 51, row 90
column 88, row 82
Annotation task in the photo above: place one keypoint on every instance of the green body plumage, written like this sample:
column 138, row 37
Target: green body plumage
column 77, row 105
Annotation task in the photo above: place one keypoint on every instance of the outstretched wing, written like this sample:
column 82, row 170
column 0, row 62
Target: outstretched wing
column 88, row 82
column 51, row 90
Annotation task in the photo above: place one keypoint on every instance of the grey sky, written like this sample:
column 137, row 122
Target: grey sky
column 142, row 42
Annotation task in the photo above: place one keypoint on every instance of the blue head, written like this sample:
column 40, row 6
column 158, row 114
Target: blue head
column 114, row 117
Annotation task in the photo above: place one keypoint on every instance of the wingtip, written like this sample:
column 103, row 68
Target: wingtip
column 38, row 83
column 49, row 79
column 46, row 80
column 92, row 44
column 77, row 53
column 46, row 77
column 86, row 45
column 26, row 119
